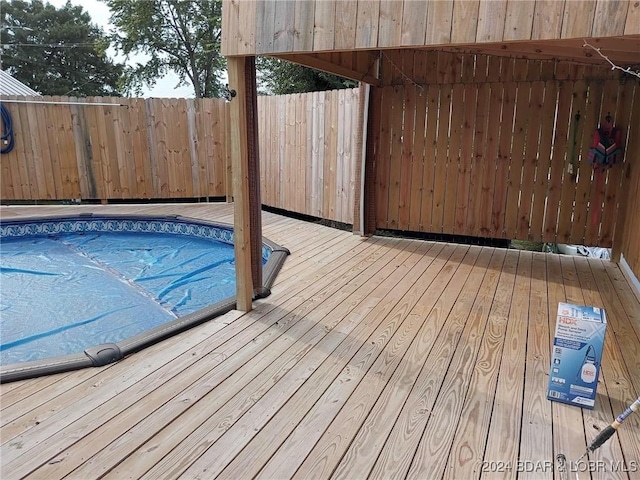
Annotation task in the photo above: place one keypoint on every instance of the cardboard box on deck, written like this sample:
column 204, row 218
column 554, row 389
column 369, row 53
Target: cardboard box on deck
column 576, row 354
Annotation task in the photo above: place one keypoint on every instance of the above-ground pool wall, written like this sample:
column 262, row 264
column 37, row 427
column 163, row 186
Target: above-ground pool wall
column 483, row 146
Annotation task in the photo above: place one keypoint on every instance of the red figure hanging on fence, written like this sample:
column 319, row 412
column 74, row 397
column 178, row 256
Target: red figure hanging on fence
column 606, row 148
column 605, row 152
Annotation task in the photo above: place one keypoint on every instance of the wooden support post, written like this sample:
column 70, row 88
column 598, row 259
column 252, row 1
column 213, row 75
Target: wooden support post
column 370, row 151
column 240, row 170
column 228, row 171
column 359, row 159
column 255, row 203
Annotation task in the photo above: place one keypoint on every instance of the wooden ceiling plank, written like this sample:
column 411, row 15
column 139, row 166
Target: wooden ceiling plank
column 303, row 26
column 414, row 23
column 345, row 34
column 284, row 20
column 367, row 23
column 577, row 23
column 547, row 19
column 323, row 34
column 632, row 25
column 519, row 20
column 465, row 21
column 439, row 21
column 390, row 23
column 491, row 19
column 609, row 18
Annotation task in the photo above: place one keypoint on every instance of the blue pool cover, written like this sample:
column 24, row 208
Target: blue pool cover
column 64, row 293
column 86, row 290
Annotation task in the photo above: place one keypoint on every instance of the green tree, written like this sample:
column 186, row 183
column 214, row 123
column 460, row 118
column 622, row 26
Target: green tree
column 179, row 35
column 56, row 51
column 279, row 77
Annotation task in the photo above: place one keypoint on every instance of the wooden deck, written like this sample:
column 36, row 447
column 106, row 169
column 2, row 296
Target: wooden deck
column 372, row 358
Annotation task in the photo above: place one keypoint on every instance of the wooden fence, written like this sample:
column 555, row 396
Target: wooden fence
column 307, row 149
column 485, row 146
column 465, row 152
column 121, row 148
column 116, row 148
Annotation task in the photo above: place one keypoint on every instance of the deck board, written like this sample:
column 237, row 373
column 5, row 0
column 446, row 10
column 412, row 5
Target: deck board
column 379, row 358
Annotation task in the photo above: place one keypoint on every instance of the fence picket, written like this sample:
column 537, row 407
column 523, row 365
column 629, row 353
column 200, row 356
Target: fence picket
column 482, row 149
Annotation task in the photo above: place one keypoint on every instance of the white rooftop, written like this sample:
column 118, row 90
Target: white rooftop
column 11, row 86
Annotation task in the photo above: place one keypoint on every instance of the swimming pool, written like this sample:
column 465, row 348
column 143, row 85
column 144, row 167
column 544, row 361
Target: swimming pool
column 86, row 290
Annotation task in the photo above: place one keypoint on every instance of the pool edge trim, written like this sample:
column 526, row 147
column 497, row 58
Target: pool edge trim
column 94, row 356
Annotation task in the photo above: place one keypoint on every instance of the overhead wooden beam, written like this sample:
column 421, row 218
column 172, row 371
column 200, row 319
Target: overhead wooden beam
column 621, row 50
column 236, row 67
column 315, row 61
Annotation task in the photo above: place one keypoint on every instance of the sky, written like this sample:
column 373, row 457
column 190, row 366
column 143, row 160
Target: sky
column 164, row 87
